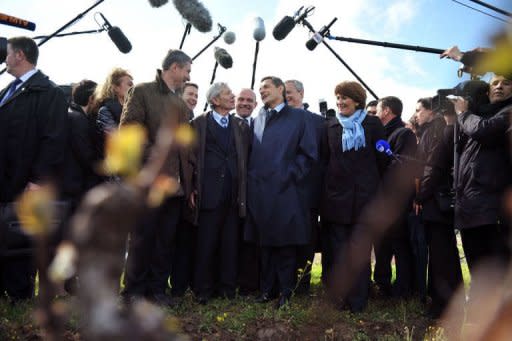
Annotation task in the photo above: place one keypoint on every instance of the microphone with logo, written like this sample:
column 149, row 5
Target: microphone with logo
column 117, row 36
column 287, row 24
column 319, row 36
column 382, row 146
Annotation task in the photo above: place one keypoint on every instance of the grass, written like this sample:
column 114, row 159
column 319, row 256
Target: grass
column 307, row 318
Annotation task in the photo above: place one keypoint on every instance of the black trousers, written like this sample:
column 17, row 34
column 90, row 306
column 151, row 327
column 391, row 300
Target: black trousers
column 340, row 237
column 419, row 249
column 278, row 265
column 488, row 242
column 217, row 251
column 306, row 253
column 248, row 266
column 183, row 258
column 445, row 274
column 394, row 242
column 149, row 252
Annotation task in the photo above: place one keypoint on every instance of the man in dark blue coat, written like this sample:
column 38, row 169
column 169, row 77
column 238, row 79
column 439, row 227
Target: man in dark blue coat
column 306, row 253
column 33, row 132
column 283, row 151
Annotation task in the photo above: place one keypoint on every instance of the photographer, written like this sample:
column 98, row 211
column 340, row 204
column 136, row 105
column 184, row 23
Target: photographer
column 484, row 173
column 435, row 149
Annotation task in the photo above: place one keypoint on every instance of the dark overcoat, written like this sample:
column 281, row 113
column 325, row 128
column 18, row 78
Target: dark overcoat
column 485, row 167
column 33, row 135
column 242, row 137
column 352, row 177
column 278, row 208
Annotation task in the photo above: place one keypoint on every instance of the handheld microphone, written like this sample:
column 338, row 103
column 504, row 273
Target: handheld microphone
column 16, row 22
column 318, row 37
column 157, row 3
column 259, row 29
column 223, row 58
column 286, row 25
column 194, row 12
column 383, row 146
column 117, row 36
column 229, row 37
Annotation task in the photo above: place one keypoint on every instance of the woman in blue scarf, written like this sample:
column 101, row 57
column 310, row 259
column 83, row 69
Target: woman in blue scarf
column 353, row 172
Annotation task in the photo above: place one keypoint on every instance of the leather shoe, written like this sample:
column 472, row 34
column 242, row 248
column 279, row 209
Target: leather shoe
column 263, row 298
column 283, row 301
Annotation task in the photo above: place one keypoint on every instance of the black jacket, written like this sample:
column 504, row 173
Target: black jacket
column 485, row 169
column 109, row 115
column 33, row 135
column 80, row 175
column 352, row 178
column 435, row 149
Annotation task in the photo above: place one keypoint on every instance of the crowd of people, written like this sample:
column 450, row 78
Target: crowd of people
column 260, row 193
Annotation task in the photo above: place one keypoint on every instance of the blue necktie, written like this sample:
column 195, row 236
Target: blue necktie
column 11, row 90
column 224, row 122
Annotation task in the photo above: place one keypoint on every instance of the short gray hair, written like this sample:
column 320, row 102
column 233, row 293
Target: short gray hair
column 297, row 84
column 175, row 56
column 214, row 92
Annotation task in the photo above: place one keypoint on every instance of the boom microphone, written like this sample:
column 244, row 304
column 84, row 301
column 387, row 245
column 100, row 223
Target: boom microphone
column 223, row 58
column 286, row 25
column 195, row 13
column 157, row 3
column 229, row 37
column 318, row 37
column 117, row 36
column 259, row 29
column 16, row 22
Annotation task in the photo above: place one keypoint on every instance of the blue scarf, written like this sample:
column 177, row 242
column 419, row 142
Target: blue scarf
column 353, row 132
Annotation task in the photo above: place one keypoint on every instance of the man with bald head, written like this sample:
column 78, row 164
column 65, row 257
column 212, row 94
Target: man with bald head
column 245, row 104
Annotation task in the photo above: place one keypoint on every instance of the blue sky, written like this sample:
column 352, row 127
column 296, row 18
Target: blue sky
column 406, row 74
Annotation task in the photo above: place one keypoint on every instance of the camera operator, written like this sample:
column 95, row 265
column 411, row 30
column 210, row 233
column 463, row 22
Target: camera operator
column 484, row 173
column 435, row 149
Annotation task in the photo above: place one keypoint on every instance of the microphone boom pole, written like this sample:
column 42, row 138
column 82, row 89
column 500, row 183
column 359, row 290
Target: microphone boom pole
column 71, row 22
column 256, row 51
column 211, row 81
column 222, row 29
column 185, row 34
column 310, row 27
column 385, row 44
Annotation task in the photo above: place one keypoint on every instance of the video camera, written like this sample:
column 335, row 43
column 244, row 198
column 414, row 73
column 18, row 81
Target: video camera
column 474, row 91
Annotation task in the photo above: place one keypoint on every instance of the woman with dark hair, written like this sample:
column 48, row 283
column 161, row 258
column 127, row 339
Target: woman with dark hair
column 354, row 169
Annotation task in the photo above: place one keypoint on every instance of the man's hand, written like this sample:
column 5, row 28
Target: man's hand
column 460, row 104
column 452, row 53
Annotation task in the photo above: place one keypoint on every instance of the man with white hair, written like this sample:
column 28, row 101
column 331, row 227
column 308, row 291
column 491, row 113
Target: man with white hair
column 219, row 196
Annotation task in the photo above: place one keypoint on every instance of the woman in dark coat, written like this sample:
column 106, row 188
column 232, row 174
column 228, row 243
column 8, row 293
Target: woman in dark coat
column 352, row 177
column 110, row 98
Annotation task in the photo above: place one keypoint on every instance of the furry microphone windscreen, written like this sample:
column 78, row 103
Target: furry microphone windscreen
column 157, row 3
column 195, row 13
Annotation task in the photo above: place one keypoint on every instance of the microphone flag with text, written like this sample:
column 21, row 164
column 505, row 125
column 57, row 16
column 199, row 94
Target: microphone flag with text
column 117, row 36
column 16, row 22
column 319, row 36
